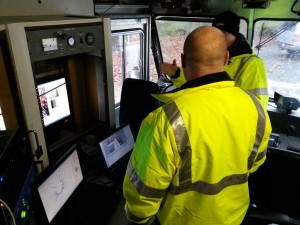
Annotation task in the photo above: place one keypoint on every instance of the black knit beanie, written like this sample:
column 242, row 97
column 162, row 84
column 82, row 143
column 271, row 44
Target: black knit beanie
column 227, row 21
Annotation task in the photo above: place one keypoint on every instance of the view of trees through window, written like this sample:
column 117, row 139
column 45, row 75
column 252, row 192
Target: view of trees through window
column 172, row 35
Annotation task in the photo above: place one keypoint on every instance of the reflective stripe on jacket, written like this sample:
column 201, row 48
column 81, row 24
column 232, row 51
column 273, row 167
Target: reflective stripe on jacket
column 193, row 156
column 249, row 73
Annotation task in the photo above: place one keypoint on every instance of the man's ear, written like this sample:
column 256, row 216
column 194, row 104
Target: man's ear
column 226, row 58
column 183, row 64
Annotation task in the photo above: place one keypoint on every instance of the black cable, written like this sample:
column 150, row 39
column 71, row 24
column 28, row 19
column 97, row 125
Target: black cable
column 283, row 29
column 106, row 10
column 260, row 37
column 292, row 8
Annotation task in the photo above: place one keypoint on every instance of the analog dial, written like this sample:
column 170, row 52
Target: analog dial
column 89, row 38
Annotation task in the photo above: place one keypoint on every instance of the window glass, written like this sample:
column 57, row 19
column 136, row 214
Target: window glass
column 172, row 35
column 132, row 55
column 2, row 125
column 127, row 63
column 278, row 44
column 153, row 76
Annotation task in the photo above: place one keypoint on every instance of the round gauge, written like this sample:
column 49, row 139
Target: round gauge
column 71, row 41
column 89, row 38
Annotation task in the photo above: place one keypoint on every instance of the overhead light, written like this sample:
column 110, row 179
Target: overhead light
column 256, row 4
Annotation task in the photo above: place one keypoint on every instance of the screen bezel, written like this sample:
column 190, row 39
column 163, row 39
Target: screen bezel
column 125, row 157
column 64, row 87
column 42, row 177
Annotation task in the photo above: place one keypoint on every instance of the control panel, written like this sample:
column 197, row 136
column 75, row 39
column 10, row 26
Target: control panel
column 17, row 172
column 57, row 41
column 23, row 209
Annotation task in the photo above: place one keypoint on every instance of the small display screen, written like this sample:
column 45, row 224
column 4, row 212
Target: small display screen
column 49, row 44
column 117, row 145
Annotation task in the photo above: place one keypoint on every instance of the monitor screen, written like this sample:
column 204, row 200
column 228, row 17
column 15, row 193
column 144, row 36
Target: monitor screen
column 57, row 186
column 54, row 101
column 117, row 145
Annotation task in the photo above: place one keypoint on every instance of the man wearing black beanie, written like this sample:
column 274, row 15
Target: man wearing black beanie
column 229, row 23
column 244, row 67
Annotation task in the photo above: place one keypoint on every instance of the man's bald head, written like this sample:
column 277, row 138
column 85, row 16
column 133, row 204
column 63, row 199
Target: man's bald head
column 205, row 52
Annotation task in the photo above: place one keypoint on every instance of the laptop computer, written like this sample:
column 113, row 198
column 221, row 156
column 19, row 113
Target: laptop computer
column 115, row 150
column 61, row 195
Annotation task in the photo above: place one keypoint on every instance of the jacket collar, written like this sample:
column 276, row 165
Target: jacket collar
column 202, row 81
column 239, row 47
column 211, row 78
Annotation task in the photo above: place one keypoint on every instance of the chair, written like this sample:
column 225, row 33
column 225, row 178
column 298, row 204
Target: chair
column 136, row 102
column 275, row 189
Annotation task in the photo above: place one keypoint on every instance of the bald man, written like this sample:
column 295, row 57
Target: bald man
column 200, row 58
column 192, row 157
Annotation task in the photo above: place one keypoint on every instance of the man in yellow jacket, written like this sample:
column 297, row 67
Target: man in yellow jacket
column 192, row 157
column 244, row 67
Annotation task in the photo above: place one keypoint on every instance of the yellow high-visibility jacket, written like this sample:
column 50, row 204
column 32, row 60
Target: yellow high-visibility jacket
column 249, row 73
column 192, row 157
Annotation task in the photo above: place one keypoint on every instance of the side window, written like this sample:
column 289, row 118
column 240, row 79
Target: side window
column 153, row 76
column 127, row 58
column 278, row 44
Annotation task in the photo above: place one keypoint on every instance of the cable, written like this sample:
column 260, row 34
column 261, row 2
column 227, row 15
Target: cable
column 292, row 8
column 9, row 210
column 99, row 14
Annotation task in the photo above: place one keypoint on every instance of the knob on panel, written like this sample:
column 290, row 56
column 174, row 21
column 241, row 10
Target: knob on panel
column 60, row 35
column 89, row 39
column 71, row 41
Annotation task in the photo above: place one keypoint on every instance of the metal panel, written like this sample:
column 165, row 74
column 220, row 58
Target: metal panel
column 58, row 41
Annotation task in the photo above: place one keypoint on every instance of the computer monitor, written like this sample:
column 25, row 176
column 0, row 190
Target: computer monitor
column 53, row 188
column 54, row 100
column 116, row 147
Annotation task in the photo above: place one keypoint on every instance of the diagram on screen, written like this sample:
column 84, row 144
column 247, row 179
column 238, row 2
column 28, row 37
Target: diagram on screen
column 60, row 185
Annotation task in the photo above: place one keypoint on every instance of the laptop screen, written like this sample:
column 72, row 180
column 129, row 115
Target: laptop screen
column 117, row 145
column 56, row 188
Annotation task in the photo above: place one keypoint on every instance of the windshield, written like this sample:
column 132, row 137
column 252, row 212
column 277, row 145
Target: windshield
column 278, row 44
column 172, row 35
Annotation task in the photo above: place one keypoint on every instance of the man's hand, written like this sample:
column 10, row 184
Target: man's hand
column 168, row 68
